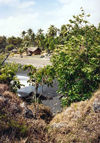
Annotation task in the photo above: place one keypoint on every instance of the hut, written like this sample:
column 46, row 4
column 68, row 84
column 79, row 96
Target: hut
column 34, row 51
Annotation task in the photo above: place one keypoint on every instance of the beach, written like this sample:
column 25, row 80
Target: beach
column 35, row 60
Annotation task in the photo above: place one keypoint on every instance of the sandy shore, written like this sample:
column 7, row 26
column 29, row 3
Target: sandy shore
column 33, row 60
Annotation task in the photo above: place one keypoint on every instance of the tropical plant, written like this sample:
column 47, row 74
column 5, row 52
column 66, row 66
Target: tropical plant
column 30, row 32
column 3, row 43
column 77, row 61
column 9, row 47
column 23, row 33
column 41, row 76
column 39, row 39
column 8, row 76
column 21, row 51
column 52, row 31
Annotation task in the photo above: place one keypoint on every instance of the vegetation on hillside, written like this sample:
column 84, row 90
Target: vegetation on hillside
column 75, row 50
column 8, row 74
column 75, row 61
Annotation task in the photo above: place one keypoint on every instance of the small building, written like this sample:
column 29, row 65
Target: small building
column 34, row 51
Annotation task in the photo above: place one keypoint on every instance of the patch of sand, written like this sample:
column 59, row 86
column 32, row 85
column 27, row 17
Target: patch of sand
column 33, row 60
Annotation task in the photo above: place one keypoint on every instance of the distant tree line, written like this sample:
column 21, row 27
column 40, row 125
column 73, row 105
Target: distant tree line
column 28, row 38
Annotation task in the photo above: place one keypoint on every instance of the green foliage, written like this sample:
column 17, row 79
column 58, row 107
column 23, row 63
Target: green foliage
column 40, row 76
column 8, row 76
column 9, row 47
column 77, row 61
column 3, row 43
column 20, row 128
column 15, row 85
column 50, row 44
column 1, row 58
column 7, row 73
column 39, row 39
column 64, row 101
column 28, row 38
column 52, row 31
column 16, row 41
column 21, row 51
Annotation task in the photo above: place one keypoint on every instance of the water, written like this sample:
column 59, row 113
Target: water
column 52, row 98
column 23, row 79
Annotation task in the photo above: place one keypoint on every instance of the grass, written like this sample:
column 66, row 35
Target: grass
column 15, row 127
column 81, row 123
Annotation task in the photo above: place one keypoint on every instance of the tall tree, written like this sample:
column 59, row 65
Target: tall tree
column 3, row 43
column 23, row 33
column 40, row 39
column 16, row 41
column 52, row 31
column 30, row 31
column 77, row 61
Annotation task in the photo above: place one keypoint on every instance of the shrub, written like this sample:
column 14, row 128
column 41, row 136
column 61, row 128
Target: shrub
column 9, row 47
column 77, row 62
column 8, row 76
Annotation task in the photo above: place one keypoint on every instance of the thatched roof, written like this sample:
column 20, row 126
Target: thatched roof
column 32, row 49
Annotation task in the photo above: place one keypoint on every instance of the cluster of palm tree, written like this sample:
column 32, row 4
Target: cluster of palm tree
column 45, row 41
column 41, row 40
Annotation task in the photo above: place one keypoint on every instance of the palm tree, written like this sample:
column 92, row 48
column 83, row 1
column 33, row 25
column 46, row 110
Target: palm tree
column 40, row 31
column 23, row 33
column 40, row 39
column 31, row 35
column 63, row 31
column 30, row 31
column 33, row 38
column 52, row 31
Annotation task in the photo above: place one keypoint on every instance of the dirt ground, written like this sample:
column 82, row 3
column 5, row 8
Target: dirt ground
column 35, row 60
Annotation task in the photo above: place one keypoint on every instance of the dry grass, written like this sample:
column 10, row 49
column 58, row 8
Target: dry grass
column 3, row 87
column 42, row 112
column 78, row 123
column 15, row 127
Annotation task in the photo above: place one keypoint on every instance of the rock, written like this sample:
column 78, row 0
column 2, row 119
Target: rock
column 26, row 111
column 96, row 105
column 29, row 114
column 42, row 97
column 23, row 105
column 4, row 100
column 50, row 98
column 58, row 125
column 42, row 56
column 16, row 108
column 26, row 91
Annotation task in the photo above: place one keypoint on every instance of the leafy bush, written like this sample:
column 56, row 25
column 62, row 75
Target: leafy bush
column 1, row 59
column 9, row 47
column 8, row 76
column 8, row 72
column 77, row 62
